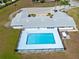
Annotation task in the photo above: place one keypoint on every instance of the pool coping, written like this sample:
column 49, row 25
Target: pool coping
column 22, row 40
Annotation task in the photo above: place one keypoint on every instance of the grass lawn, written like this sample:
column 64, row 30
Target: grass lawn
column 75, row 14
column 9, row 37
column 8, row 42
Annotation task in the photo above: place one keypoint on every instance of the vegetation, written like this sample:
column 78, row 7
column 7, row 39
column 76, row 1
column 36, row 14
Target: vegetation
column 49, row 14
column 5, row 3
column 75, row 14
column 9, row 37
column 31, row 15
column 64, row 2
column 42, row 1
column 6, row 0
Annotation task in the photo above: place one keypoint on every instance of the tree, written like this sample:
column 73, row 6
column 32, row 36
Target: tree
column 1, row 1
column 64, row 2
column 6, row 1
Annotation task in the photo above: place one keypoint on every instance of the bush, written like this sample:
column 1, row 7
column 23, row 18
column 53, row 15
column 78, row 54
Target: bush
column 42, row 1
column 2, row 5
column 49, row 14
column 7, row 3
column 63, row 2
column 33, row 15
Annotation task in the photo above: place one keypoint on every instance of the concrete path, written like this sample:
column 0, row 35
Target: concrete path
column 74, row 3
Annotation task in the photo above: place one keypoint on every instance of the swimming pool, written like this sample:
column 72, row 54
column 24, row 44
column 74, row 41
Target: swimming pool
column 40, row 38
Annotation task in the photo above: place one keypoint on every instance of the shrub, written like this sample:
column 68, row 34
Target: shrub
column 63, row 2
column 49, row 14
column 42, row 1
column 8, row 3
column 2, row 5
column 33, row 15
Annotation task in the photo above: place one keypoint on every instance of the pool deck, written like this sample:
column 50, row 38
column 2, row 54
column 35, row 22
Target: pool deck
column 41, row 19
column 22, row 41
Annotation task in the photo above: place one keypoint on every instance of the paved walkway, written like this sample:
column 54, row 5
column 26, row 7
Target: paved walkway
column 74, row 3
column 62, row 8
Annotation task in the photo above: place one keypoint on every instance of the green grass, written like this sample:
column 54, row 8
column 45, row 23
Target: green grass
column 8, row 42
column 9, row 37
column 75, row 14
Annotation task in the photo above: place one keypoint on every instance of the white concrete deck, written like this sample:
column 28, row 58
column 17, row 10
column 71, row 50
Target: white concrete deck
column 23, row 46
column 43, row 21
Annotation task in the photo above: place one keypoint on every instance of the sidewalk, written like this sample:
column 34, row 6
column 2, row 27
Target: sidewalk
column 74, row 3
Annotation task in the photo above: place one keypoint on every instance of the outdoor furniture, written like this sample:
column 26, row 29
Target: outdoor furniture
column 65, row 35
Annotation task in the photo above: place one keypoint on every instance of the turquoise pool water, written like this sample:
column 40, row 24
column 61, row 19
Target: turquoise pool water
column 40, row 38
